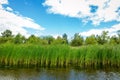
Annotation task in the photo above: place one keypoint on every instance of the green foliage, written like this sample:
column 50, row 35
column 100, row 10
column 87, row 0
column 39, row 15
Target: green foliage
column 6, row 37
column 65, row 40
column 7, row 33
column 118, row 33
column 50, row 52
column 103, row 38
column 19, row 39
column 33, row 39
column 58, row 41
column 31, row 55
column 114, row 40
column 77, row 41
column 49, row 39
column 91, row 40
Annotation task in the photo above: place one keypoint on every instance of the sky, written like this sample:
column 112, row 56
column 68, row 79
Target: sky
column 56, row 17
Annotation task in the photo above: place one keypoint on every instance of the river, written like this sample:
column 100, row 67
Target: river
column 58, row 74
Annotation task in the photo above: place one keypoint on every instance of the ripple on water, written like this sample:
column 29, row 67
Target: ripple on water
column 58, row 74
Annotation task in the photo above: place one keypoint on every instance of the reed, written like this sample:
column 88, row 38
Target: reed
column 25, row 55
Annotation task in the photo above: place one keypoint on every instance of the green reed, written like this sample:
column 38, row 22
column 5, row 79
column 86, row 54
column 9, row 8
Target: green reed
column 25, row 55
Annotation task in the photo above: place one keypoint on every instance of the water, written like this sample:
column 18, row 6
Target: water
column 58, row 74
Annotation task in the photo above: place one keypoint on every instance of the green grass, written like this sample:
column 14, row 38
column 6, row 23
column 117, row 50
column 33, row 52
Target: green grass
column 25, row 55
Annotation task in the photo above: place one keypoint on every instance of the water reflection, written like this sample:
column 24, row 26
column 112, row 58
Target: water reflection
column 57, row 74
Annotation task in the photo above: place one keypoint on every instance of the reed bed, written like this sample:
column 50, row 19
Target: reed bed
column 24, row 55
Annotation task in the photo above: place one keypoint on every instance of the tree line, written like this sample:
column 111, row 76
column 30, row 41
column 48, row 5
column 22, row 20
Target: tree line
column 78, row 40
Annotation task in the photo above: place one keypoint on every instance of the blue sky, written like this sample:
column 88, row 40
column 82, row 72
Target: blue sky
column 55, row 17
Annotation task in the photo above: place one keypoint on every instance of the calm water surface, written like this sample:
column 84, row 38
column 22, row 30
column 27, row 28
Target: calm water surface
column 58, row 74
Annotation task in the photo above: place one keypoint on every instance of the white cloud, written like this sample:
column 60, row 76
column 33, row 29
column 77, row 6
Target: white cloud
column 17, row 23
column 107, row 9
column 3, row 2
column 9, row 9
column 112, row 31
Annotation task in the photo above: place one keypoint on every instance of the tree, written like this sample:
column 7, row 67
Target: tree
column 36, row 40
column 118, row 33
column 77, row 40
column 1, row 40
column 19, row 39
column 114, row 40
column 33, row 39
column 49, row 39
column 91, row 40
column 65, row 40
column 59, row 40
column 7, row 36
column 7, row 33
column 103, row 38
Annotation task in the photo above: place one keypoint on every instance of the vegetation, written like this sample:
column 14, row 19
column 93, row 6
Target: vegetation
column 94, row 51
column 77, row 41
column 91, row 40
column 59, row 56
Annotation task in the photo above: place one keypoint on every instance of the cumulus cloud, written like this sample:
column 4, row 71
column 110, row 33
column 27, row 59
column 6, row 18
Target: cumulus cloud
column 96, row 11
column 3, row 1
column 112, row 31
column 15, row 22
column 105, row 11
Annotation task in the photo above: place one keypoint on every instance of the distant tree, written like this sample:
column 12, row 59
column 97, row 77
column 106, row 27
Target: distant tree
column 7, row 33
column 58, row 40
column 19, row 39
column 91, row 40
column 103, row 38
column 113, row 40
column 1, row 40
column 118, row 33
column 6, row 37
column 33, row 39
column 65, row 40
column 77, row 40
column 49, row 39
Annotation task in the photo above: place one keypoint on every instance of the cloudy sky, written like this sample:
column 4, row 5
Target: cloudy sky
column 55, row 17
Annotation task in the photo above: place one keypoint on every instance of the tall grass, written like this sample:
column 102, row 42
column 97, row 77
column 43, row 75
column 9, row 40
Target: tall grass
column 25, row 55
